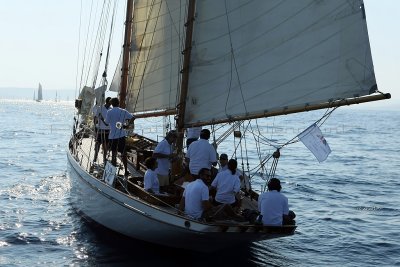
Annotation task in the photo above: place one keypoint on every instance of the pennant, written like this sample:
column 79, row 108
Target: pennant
column 313, row 139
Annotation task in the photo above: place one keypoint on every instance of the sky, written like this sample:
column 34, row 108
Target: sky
column 39, row 43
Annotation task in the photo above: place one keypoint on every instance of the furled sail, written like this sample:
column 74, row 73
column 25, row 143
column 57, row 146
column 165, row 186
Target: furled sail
column 155, row 55
column 251, row 57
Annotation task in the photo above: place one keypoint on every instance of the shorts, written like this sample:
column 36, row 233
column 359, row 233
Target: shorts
column 163, row 179
column 118, row 144
column 102, row 136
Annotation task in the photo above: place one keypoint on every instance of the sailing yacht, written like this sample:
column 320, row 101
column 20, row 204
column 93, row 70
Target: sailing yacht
column 212, row 63
column 40, row 93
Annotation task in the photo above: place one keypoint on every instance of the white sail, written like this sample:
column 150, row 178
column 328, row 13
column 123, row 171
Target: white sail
column 155, row 55
column 40, row 93
column 116, row 81
column 253, row 57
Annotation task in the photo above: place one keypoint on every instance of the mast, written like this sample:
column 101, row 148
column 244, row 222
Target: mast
column 185, row 76
column 125, row 58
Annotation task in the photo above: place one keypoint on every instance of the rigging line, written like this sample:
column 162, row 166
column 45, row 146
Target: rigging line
column 226, row 133
column 77, row 60
column 247, row 156
column 240, row 139
column 86, row 43
column 109, row 40
column 258, row 144
column 99, row 41
column 241, row 150
column 264, row 139
column 92, row 44
column 234, row 62
column 256, row 169
column 103, row 80
column 256, row 140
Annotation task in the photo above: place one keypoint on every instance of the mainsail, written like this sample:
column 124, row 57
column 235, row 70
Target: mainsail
column 249, row 57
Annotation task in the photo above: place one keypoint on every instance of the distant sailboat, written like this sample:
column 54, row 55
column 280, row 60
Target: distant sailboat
column 40, row 94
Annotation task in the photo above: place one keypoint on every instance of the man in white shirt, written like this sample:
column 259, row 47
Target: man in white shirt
column 102, row 129
column 196, row 203
column 116, row 118
column 201, row 154
column 164, row 155
column 223, row 162
column 196, row 199
column 273, row 205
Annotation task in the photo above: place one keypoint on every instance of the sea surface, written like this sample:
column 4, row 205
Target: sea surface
column 348, row 207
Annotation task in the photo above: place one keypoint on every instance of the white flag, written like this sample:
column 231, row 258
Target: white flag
column 109, row 173
column 313, row 139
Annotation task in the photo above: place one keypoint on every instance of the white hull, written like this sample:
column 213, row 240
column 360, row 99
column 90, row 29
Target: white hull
column 135, row 218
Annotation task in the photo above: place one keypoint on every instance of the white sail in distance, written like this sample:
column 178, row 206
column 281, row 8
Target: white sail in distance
column 40, row 93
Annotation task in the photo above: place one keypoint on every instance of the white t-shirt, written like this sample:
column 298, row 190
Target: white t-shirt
column 151, row 181
column 115, row 115
column 164, row 164
column 223, row 168
column 195, row 193
column 227, row 185
column 101, row 114
column 201, row 154
column 272, row 205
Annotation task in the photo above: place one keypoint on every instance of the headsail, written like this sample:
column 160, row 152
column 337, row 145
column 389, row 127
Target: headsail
column 155, row 55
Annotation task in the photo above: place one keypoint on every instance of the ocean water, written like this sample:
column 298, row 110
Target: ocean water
column 348, row 207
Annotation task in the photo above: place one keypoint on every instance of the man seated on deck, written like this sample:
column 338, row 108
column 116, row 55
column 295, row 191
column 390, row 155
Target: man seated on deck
column 164, row 155
column 274, row 207
column 151, row 183
column 196, row 203
column 227, row 186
